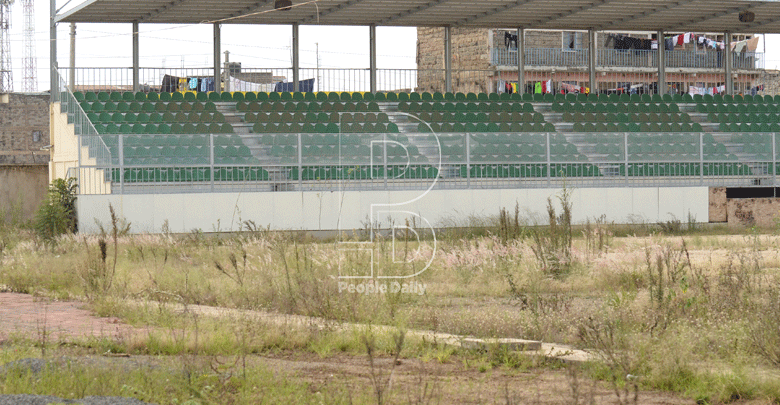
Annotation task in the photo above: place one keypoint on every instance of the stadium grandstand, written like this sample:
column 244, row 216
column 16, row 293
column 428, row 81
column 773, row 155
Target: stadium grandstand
column 357, row 154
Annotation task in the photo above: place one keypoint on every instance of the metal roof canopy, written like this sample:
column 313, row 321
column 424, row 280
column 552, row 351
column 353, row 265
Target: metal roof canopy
column 619, row 15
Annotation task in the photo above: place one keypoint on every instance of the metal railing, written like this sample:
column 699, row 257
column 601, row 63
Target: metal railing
column 83, row 128
column 409, row 161
column 626, row 58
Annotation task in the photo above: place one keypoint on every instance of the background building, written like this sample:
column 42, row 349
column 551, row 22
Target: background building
column 484, row 58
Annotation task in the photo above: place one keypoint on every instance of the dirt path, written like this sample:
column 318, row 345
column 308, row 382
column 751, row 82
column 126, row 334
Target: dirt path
column 450, row 382
column 25, row 316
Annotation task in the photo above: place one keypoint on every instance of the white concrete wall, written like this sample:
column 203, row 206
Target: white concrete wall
column 351, row 210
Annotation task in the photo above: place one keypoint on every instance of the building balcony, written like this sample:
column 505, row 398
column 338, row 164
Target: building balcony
column 615, row 58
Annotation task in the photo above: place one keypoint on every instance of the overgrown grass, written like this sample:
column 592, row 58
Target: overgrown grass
column 685, row 309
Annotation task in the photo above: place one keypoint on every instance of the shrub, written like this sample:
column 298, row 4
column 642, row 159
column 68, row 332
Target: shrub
column 57, row 214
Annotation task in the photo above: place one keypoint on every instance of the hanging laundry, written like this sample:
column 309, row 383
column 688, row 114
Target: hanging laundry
column 304, row 86
column 570, row 88
column 654, row 44
column 169, row 84
column 687, row 38
column 207, row 84
column 752, row 44
column 680, row 39
column 510, row 39
column 240, row 85
column 183, row 82
column 193, row 83
column 669, row 44
column 538, row 88
column 514, row 87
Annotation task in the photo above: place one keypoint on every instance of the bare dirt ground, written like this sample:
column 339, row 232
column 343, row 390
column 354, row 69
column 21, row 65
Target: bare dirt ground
column 450, row 382
column 25, row 316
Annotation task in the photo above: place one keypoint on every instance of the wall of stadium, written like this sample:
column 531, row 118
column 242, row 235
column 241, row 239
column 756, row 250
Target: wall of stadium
column 351, row 210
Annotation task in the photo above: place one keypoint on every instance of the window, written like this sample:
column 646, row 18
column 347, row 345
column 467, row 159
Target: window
column 571, row 40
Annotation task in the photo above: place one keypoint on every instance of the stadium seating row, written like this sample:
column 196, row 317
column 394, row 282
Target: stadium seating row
column 189, row 174
column 458, row 127
column 421, row 171
column 636, row 127
column 737, row 108
column 616, row 107
column 173, row 140
column 421, row 107
column 313, row 118
column 188, row 128
column 304, row 106
column 627, row 118
column 738, row 118
column 359, row 96
column 147, row 107
column 749, row 127
column 472, row 117
column 330, row 128
column 155, row 118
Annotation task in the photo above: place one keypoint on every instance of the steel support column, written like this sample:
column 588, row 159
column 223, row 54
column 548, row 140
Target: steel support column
column 136, row 57
column 217, row 58
column 592, row 61
column 661, row 62
column 295, row 58
column 72, row 78
column 448, row 58
column 54, row 76
column 729, row 82
column 521, row 60
column 372, row 55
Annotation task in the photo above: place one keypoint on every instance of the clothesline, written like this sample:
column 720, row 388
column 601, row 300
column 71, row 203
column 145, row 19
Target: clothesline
column 626, row 42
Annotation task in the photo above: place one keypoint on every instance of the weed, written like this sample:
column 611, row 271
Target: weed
column 382, row 385
column 610, row 337
column 97, row 273
column 552, row 244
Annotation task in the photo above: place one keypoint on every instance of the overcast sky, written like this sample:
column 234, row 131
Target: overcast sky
column 174, row 46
